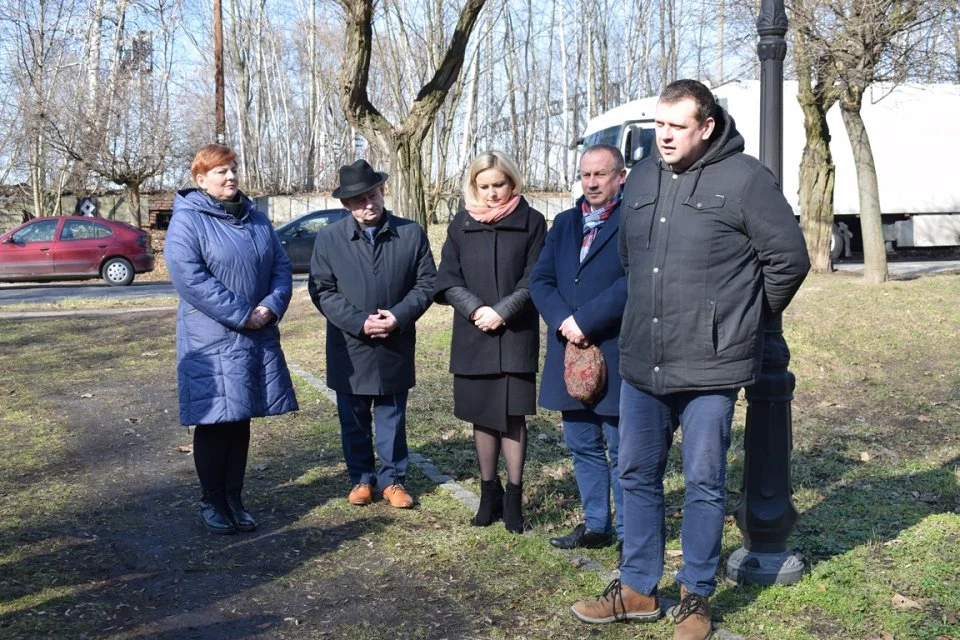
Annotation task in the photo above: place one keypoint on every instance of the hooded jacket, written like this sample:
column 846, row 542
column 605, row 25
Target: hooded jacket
column 223, row 266
column 710, row 253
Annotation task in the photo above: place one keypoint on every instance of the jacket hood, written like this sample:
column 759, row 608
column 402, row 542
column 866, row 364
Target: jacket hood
column 198, row 200
column 726, row 140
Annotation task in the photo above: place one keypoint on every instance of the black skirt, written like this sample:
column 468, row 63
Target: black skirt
column 486, row 401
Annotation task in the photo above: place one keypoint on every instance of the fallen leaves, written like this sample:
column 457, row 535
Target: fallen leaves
column 185, row 448
column 902, row 602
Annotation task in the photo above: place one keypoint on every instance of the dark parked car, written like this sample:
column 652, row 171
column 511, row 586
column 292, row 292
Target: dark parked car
column 75, row 248
column 298, row 235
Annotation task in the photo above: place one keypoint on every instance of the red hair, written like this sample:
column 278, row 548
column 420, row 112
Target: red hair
column 210, row 156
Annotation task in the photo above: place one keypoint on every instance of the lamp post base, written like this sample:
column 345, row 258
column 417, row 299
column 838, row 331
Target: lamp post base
column 764, row 568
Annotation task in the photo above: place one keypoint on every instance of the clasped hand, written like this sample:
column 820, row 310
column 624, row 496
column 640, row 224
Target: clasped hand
column 380, row 324
column 259, row 318
column 486, row 319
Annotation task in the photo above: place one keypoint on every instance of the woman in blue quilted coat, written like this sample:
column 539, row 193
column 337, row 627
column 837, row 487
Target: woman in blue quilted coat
column 234, row 282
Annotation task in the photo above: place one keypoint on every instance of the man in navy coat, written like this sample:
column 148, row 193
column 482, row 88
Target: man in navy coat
column 579, row 287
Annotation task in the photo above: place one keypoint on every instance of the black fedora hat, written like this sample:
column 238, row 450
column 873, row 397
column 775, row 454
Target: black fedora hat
column 358, row 178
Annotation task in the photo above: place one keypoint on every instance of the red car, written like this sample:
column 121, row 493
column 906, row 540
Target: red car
column 75, row 248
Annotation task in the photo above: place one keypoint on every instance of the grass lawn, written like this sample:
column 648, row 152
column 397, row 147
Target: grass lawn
column 98, row 531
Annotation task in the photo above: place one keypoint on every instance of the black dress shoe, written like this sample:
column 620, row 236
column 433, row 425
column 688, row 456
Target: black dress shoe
column 582, row 537
column 214, row 516
column 238, row 515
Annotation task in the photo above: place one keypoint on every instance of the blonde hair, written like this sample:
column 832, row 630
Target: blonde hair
column 490, row 160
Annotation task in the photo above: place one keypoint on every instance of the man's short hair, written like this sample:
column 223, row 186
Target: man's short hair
column 612, row 150
column 696, row 91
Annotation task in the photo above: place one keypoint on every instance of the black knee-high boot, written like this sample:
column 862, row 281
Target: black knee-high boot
column 491, row 503
column 209, row 456
column 238, row 443
column 512, row 510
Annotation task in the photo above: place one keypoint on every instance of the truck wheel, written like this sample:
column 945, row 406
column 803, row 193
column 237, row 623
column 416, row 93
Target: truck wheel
column 836, row 243
column 118, row 272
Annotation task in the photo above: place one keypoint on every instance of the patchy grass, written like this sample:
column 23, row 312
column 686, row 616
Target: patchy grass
column 97, row 505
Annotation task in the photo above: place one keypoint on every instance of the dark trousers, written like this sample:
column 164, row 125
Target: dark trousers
column 389, row 413
column 647, row 424
column 220, row 455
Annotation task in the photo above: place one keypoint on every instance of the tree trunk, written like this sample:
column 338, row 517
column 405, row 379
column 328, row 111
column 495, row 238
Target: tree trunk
column 407, row 180
column 817, row 177
column 871, row 228
column 132, row 191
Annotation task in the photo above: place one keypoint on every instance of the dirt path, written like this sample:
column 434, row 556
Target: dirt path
column 122, row 554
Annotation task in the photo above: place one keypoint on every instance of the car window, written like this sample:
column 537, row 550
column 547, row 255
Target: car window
column 84, row 230
column 41, row 231
column 314, row 224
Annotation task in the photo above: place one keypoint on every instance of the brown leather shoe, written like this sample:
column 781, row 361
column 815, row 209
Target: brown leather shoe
column 692, row 616
column 397, row 496
column 361, row 495
column 618, row 602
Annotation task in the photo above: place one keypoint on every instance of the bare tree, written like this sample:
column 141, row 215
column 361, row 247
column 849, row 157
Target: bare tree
column 402, row 142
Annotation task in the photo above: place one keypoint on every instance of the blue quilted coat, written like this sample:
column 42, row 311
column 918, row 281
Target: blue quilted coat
column 222, row 267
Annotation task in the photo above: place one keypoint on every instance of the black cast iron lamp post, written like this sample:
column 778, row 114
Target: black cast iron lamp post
column 765, row 511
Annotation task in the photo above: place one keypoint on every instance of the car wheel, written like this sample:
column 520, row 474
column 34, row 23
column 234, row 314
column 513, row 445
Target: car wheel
column 836, row 243
column 118, row 272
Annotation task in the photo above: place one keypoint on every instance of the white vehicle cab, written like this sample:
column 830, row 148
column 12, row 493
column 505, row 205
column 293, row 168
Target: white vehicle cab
column 919, row 191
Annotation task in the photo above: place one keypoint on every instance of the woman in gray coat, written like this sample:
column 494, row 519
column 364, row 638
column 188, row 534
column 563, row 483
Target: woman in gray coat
column 490, row 249
column 234, row 282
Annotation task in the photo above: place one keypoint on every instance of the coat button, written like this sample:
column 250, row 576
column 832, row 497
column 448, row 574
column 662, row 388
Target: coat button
column 656, row 369
column 576, row 281
column 699, row 205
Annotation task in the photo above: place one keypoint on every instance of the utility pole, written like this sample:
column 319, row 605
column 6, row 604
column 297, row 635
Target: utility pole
column 765, row 511
column 221, row 124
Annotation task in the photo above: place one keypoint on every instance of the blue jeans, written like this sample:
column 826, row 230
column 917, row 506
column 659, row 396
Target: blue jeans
column 356, row 433
column 647, row 423
column 590, row 438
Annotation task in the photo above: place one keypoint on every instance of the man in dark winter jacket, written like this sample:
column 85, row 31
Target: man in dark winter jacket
column 712, row 251
column 371, row 276
column 579, row 287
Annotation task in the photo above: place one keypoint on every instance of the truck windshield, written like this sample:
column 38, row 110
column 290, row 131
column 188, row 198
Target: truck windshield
column 610, row 136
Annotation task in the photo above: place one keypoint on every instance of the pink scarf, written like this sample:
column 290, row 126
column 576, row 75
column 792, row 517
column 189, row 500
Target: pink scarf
column 488, row 215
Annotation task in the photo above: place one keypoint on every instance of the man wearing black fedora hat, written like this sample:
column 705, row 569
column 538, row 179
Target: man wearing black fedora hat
column 371, row 276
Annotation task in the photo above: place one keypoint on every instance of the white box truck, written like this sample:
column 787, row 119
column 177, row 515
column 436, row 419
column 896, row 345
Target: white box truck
column 914, row 130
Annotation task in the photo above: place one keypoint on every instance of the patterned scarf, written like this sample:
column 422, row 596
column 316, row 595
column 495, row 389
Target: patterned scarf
column 593, row 220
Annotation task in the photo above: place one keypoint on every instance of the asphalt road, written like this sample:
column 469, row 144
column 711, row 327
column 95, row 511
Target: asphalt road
column 51, row 293
column 34, row 293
